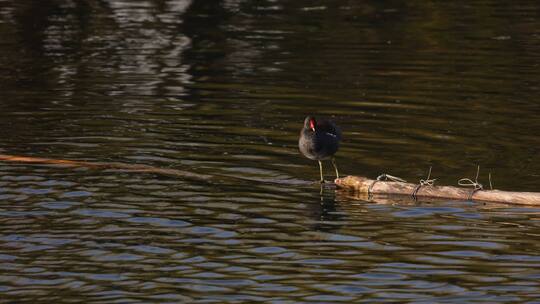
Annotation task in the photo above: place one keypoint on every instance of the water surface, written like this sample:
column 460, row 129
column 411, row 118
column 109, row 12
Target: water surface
column 220, row 89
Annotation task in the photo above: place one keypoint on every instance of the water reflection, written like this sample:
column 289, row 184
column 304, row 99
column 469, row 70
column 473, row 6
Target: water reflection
column 325, row 215
column 219, row 89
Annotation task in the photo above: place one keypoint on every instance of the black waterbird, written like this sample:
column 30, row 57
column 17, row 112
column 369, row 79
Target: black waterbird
column 319, row 140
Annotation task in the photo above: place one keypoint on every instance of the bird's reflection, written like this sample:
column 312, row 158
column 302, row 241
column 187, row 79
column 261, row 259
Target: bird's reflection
column 324, row 212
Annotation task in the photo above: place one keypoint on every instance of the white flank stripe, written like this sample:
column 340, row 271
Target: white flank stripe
column 333, row 135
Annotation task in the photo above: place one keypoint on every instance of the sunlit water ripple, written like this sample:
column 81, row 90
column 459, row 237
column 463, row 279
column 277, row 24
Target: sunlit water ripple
column 220, row 90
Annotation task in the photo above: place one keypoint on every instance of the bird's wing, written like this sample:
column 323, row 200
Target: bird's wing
column 330, row 128
column 335, row 131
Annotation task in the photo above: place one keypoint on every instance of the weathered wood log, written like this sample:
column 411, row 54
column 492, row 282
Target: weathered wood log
column 214, row 179
column 361, row 186
column 364, row 185
column 106, row 165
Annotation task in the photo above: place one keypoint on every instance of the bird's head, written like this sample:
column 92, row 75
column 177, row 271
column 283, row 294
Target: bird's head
column 310, row 123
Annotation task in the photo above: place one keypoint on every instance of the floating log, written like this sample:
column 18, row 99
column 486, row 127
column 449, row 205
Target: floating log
column 360, row 186
column 214, row 179
column 364, row 185
column 105, row 165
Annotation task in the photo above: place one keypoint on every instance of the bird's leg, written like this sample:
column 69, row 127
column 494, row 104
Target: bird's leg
column 335, row 167
column 320, row 170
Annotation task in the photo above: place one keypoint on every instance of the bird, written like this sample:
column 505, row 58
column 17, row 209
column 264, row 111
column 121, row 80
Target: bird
column 319, row 140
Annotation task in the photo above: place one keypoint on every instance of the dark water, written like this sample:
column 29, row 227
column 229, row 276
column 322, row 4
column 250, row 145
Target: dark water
column 220, row 88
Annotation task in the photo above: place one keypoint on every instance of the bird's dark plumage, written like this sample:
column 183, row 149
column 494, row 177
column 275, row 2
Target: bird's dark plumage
column 319, row 140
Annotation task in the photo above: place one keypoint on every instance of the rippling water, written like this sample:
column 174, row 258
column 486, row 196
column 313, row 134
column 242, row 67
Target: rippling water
column 220, row 89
